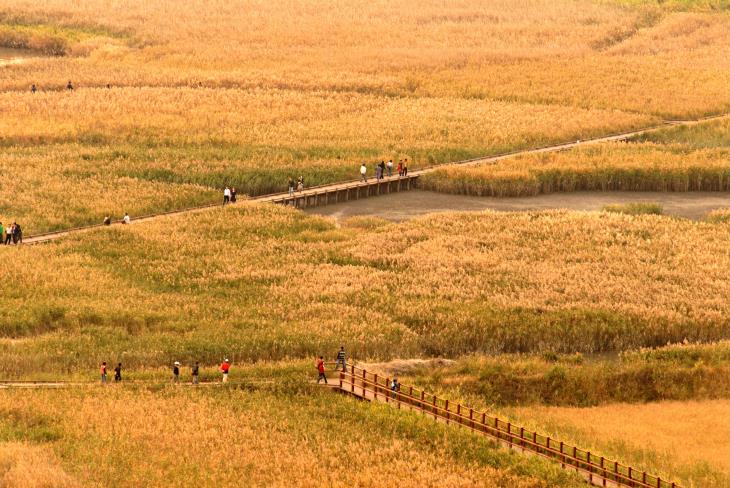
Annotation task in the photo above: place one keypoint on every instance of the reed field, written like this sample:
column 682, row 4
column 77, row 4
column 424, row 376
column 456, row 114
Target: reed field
column 266, row 283
column 168, row 110
column 607, row 329
column 688, row 439
column 258, row 436
column 692, row 158
column 683, row 440
column 677, row 372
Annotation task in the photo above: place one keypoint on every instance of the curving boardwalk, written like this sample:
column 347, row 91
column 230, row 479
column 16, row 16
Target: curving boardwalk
column 355, row 189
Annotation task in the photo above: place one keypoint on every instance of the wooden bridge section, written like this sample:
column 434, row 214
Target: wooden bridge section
column 344, row 192
column 596, row 470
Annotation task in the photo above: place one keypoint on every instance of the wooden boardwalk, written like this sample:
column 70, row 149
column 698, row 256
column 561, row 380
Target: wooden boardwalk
column 595, row 469
column 356, row 189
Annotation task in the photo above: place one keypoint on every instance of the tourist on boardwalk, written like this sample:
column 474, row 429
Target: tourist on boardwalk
column 320, row 369
column 379, row 171
column 381, row 166
column 226, row 195
column 291, row 186
column 107, row 220
column 33, row 88
column 176, row 372
column 225, row 368
column 395, row 387
column 126, row 218
column 196, row 372
column 118, row 373
column 102, row 370
column 69, row 85
column 233, row 195
column 405, row 167
column 341, row 359
column 9, row 234
column 2, row 232
column 17, row 234
column 400, row 168
column 364, row 172
column 300, row 183
column 389, row 165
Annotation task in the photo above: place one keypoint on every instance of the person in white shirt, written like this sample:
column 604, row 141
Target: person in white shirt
column 226, row 195
column 389, row 165
column 126, row 219
column 364, row 173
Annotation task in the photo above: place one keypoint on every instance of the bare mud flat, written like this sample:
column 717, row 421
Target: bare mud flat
column 409, row 204
column 10, row 56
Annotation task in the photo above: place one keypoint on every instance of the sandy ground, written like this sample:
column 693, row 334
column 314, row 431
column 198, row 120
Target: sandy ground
column 12, row 56
column 409, row 204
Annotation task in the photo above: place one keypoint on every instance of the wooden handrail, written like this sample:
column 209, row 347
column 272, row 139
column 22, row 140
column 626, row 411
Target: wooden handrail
column 355, row 378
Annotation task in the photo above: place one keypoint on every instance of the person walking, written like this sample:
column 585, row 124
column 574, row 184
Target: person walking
column 176, row 372
column 291, row 186
column 118, row 373
column 405, row 167
column 381, row 168
column 2, row 232
column 395, row 387
column 400, row 168
column 389, row 165
column 9, row 234
column 102, row 371
column 341, row 359
column 320, row 369
column 300, row 183
column 196, row 372
column 126, row 218
column 225, row 368
column 33, row 88
column 226, row 195
column 69, row 86
column 17, row 234
column 107, row 220
column 233, row 195
column 364, row 172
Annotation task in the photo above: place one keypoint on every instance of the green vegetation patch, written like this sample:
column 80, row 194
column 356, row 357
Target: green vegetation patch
column 48, row 37
column 638, row 208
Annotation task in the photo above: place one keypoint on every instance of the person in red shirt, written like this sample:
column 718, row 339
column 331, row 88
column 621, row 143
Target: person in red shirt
column 102, row 370
column 320, row 368
column 225, row 367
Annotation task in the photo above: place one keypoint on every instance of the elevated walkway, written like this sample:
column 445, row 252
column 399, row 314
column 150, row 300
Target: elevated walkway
column 596, row 470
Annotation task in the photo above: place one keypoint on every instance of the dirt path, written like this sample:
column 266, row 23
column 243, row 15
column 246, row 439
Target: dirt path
column 407, row 205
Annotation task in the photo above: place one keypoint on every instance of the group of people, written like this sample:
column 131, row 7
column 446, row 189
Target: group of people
column 69, row 87
column 341, row 365
column 12, row 234
column 341, row 362
column 297, row 185
column 229, row 195
column 383, row 169
column 125, row 220
column 225, row 368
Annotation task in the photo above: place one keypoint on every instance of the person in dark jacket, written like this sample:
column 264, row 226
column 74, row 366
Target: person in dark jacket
column 118, row 373
column 341, row 359
column 196, row 372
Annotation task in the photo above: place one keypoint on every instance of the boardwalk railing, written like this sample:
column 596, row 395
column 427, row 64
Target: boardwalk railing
column 596, row 469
